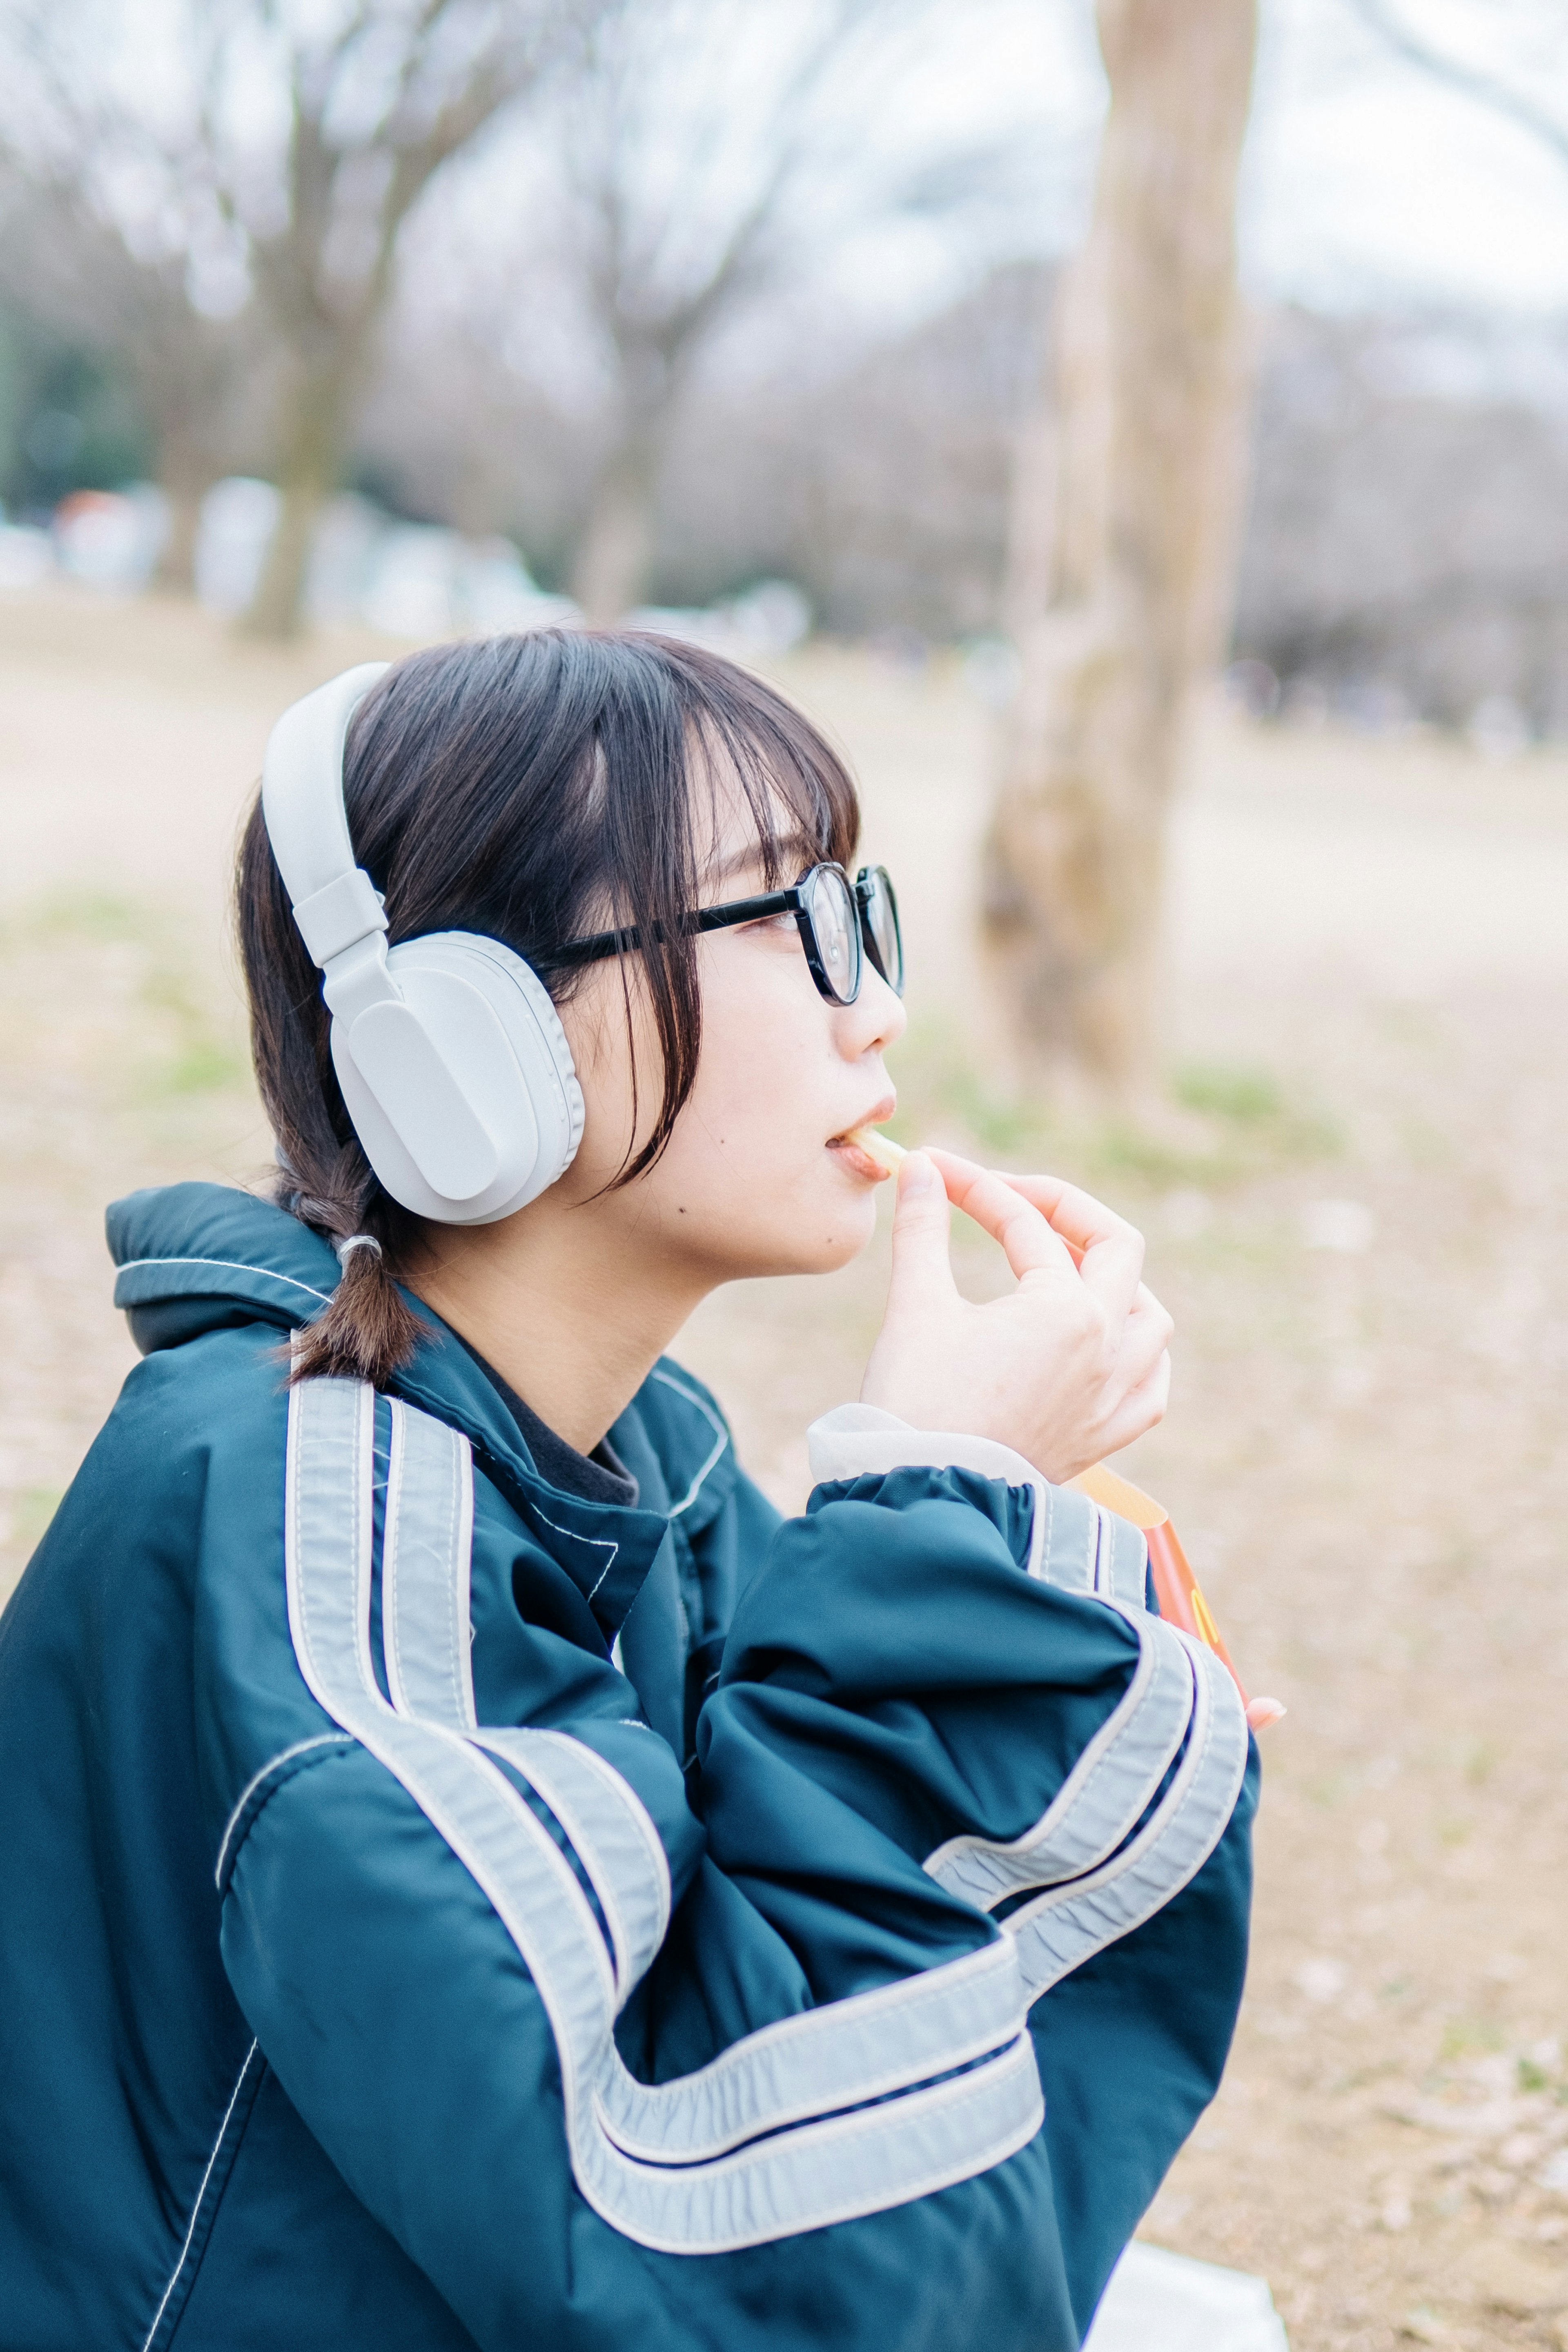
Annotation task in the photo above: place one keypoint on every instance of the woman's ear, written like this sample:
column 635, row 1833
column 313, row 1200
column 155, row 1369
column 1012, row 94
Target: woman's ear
column 610, row 1029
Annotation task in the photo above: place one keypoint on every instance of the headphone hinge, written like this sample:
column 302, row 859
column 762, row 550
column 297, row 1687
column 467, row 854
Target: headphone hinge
column 334, row 920
column 359, row 978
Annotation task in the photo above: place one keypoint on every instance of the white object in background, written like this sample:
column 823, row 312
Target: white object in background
column 1159, row 2301
column 111, row 540
column 688, row 625
column 239, row 516
column 26, row 556
column 411, row 590
column 345, row 546
column 992, row 670
column 497, row 592
column 426, row 581
column 772, row 617
column 1498, row 729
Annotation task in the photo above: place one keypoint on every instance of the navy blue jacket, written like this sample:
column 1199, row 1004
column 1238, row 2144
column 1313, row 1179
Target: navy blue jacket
column 439, row 1908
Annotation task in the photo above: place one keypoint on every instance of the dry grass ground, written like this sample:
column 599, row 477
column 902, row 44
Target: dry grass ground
column 1361, row 1228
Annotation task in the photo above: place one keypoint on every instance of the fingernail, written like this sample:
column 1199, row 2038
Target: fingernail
column 918, row 1174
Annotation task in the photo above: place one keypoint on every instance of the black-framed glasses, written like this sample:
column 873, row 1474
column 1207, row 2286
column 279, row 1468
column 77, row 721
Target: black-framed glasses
column 840, row 921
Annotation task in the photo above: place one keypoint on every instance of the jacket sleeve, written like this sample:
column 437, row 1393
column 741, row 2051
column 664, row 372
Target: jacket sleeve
column 1110, row 1838
column 747, row 2060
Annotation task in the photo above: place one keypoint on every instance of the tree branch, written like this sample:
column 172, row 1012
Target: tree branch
column 1474, row 81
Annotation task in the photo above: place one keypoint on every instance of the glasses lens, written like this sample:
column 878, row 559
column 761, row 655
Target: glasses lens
column 883, row 936
column 830, row 906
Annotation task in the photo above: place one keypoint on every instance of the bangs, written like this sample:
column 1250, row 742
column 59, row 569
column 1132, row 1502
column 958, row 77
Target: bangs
column 796, row 789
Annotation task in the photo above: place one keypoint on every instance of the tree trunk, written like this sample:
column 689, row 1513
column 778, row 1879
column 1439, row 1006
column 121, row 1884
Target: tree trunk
column 188, row 466
column 614, row 555
column 1124, row 537
column 175, row 573
column 311, row 458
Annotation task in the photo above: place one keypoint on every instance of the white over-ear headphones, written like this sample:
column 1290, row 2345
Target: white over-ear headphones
column 454, row 1066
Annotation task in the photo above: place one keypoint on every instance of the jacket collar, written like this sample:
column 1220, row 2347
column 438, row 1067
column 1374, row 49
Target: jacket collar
column 197, row 1257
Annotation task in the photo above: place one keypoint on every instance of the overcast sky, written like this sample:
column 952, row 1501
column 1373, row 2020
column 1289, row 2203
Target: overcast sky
column 1367, row 183
column 1366, row 179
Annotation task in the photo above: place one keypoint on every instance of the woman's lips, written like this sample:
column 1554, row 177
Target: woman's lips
column 872, row 1156
column 852, row 1153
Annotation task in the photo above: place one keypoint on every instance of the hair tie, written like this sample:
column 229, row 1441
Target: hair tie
column 356, row 1241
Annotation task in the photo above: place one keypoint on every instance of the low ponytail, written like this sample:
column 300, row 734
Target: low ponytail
column 370, row 1332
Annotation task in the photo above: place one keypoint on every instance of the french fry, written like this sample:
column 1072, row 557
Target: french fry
column 880, row 1147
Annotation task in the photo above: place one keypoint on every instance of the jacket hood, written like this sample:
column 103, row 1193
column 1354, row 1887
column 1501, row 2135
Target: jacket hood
column 194, row 1258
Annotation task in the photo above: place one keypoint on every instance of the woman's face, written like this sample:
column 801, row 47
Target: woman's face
column 756, row 1178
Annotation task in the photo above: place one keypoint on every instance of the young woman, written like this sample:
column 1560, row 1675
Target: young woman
column 473, row 1874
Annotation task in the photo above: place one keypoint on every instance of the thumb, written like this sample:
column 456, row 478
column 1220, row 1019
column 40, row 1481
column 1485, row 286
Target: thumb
column 920, row 1223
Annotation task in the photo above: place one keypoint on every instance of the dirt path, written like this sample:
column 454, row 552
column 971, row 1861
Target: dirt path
column 1365, row 1246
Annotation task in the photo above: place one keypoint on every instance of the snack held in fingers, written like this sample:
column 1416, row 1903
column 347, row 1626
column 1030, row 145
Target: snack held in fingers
column 878, row 1146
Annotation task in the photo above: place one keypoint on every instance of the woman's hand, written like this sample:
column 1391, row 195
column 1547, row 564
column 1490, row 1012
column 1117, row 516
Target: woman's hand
column 1072, row 1367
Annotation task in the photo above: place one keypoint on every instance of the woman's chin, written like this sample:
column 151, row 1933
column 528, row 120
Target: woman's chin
column 803, row 1243
column 842, row 1237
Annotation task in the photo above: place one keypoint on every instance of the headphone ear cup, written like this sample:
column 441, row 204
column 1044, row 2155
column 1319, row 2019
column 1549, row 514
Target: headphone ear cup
column 463, row 1092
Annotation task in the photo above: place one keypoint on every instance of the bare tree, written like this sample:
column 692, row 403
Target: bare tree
column 199, row 381
column 307, row 137
column 707, row 147
column 376, row 111
column 1124, row 521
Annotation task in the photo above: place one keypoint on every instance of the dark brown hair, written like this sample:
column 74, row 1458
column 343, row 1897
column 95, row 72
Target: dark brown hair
column 532, row 788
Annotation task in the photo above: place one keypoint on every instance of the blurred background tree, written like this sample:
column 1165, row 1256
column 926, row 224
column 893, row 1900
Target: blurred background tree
column 709, row 154
column 282, row 160
column 679, row 189
column 684, row 295
column 193, row 387
column 688, row 193
column 375, row 111
column 1122, row 540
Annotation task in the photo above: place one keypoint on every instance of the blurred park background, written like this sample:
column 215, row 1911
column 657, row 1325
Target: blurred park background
column 1149, row 458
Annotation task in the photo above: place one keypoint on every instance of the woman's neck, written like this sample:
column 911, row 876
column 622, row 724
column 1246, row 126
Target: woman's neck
column 572, row 1308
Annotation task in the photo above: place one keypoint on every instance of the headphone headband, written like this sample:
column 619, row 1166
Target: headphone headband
column 453, row 1067
column 334, row 902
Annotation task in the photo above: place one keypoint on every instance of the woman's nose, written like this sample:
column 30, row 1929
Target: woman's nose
column 874, row 1021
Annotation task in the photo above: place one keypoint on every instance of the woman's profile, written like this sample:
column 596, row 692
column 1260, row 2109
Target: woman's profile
column 475, row 1874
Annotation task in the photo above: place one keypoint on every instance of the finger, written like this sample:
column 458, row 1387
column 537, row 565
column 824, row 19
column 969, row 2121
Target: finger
column 1076, row 1215
column 1146, row 1337
column 921, row 1222
column 999, row 1210
column 1147, row 1309
column 1108, row 1251
column 1141, row 1410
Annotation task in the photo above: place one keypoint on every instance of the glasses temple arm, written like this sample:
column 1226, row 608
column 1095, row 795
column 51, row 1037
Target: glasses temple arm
column 602, row 944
